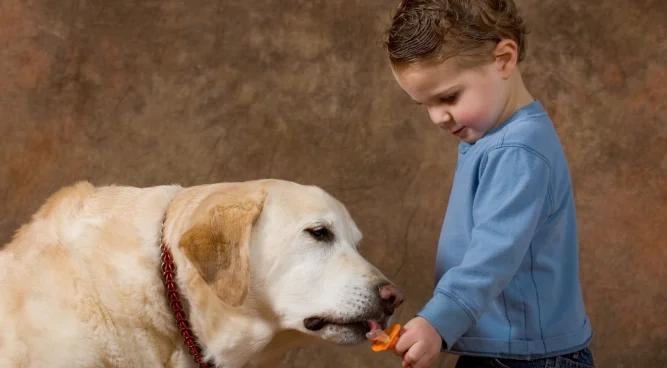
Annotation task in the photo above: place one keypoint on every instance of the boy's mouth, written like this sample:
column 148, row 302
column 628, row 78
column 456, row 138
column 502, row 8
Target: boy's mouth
column 457, row 131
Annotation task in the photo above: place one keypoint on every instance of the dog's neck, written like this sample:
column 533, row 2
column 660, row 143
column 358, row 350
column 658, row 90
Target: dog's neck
column 208, row 318
column 174, row 299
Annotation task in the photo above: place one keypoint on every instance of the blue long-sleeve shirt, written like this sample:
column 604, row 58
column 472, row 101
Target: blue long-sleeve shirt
column 507, row 261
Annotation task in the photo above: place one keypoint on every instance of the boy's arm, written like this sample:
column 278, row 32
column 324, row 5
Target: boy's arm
column 512, row 192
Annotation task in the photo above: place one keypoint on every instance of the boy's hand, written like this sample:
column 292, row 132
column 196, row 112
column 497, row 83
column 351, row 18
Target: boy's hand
column 419, row 344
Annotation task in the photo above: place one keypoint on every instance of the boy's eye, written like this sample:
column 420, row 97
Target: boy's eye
column 450, row 98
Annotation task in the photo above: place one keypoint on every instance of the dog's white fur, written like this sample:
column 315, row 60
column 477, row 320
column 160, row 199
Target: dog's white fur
column 81, row 286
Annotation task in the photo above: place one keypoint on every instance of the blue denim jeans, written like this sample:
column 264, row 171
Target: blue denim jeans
column 579, row 359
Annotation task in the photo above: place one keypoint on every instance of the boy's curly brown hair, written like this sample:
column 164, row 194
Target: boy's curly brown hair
column 436, row 30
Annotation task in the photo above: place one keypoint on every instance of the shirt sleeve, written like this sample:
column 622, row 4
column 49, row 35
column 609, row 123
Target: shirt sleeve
column 512, row 192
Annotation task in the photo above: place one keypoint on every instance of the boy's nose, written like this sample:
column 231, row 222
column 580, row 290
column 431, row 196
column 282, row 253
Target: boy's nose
column 441, row 118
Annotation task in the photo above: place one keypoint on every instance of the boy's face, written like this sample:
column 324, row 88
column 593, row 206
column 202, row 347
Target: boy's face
column 465, row 102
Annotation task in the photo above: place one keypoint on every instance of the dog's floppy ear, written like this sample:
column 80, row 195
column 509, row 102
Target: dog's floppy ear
column 218, row 246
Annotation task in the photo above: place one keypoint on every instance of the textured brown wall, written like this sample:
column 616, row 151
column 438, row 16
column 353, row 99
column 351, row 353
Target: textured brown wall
column 152, row 92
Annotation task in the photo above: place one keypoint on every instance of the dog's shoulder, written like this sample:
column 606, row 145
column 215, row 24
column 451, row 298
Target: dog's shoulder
column 66, row 201
column 63, row 204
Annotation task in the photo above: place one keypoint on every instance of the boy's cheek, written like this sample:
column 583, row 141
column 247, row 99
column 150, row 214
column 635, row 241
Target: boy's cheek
column 464, row 118
column 471, row 119
column 479, row 119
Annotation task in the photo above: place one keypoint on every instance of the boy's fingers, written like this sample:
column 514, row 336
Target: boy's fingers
column 413, row 355
column 424, row 361
column 403, row 344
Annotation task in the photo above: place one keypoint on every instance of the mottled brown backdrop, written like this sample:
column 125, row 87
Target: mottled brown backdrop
column 151, row 92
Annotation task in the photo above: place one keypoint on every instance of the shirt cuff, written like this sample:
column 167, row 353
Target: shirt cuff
column 449, row 317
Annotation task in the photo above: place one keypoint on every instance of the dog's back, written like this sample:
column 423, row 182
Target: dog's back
column 82, row 276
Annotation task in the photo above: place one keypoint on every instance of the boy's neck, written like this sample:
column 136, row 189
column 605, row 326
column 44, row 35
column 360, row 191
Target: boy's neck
column 518, row 97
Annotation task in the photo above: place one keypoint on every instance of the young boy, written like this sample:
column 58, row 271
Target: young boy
column 508, row 292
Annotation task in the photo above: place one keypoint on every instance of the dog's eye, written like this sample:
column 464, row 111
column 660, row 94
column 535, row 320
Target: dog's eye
column 320, row 233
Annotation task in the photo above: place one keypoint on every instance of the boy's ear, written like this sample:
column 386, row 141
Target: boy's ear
column 506, row 55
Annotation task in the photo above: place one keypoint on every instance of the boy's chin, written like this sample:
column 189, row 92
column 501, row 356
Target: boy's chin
column 470, row 137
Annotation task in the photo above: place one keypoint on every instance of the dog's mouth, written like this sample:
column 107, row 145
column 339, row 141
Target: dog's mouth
column 361, row 325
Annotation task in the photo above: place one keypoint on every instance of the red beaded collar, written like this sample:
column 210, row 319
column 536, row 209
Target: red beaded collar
column 169, row 278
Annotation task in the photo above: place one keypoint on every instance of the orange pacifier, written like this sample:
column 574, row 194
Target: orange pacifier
column 384, row 340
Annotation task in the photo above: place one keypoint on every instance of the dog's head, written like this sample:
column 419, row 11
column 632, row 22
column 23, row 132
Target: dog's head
column 290, row 250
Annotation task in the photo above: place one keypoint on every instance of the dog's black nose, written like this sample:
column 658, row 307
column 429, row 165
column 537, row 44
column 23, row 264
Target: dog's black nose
column 391, row 296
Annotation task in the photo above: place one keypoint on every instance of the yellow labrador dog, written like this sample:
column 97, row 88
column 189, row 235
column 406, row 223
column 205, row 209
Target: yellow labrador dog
column 221, row 275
